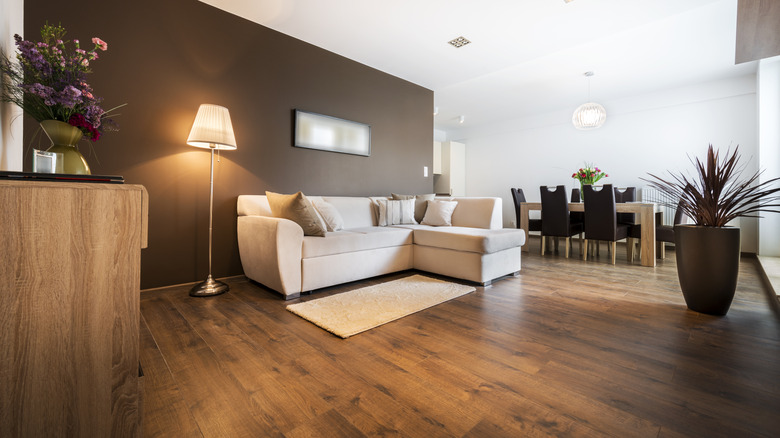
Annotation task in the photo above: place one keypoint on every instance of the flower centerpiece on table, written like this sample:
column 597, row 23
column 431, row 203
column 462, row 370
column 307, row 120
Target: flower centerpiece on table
column 589, row 174
column 48, row 80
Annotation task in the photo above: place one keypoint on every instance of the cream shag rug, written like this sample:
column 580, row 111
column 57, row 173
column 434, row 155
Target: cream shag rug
column 350, row 313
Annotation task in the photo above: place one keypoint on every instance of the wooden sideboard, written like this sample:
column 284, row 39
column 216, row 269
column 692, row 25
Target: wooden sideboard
column 70, row 260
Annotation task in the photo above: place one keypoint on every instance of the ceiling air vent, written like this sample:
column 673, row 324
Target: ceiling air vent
column 459, row 42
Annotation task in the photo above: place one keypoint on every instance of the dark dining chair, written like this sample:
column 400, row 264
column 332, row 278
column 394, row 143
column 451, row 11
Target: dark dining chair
column 628, row 195
column 556, row 221
column 577, row 217
column 665, row 233
column 518, row 196
column 533, row 224
column 601, row 220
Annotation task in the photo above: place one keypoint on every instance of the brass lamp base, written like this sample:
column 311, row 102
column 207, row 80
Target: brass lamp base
column 208, row 288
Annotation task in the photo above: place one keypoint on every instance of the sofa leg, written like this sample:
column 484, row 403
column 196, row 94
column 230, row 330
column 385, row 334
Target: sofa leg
column 487, row 283
column 516, row 274
column 292, row 296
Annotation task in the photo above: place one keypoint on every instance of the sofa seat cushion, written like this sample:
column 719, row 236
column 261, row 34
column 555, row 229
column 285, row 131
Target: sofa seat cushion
column 477, row 240
column 355, row 239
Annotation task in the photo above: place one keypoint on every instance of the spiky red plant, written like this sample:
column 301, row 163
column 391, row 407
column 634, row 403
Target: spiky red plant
column 719, row 194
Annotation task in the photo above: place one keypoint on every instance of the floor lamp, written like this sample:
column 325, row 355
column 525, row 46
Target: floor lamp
column 213, row 130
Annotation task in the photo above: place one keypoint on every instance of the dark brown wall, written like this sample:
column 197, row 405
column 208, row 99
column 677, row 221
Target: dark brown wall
column 167, row 57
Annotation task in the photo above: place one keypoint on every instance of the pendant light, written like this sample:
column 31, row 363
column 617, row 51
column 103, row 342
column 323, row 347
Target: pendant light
column 589, row 115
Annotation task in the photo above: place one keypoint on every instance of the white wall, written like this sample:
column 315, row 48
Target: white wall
column 651, row 133
column 11, row 22
column 769, row 147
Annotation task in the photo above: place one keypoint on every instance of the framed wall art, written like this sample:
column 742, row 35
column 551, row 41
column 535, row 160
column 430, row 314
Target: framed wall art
column 326, row 133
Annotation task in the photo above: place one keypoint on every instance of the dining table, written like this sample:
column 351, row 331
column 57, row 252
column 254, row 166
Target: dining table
column 645, row 214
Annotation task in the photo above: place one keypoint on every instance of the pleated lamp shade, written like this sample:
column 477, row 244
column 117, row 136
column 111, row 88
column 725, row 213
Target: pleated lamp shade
column 589, row 115
column 212, row 128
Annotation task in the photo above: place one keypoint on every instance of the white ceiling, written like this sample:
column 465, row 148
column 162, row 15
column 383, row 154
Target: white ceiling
column 526, row 56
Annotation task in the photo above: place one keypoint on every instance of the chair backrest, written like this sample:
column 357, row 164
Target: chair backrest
column 576, row 217
column 600, row 213
column 627, row 195
column 678, row 213
column 517, row 196
column 555, row 211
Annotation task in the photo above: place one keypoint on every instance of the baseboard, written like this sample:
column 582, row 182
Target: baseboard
column 770, row 269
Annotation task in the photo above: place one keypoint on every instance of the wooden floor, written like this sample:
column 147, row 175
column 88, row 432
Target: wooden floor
column 568, row 348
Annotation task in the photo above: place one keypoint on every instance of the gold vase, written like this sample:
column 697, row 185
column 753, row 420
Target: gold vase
column 64, row 138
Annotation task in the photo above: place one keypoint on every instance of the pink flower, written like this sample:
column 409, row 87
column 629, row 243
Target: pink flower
column 100, row 43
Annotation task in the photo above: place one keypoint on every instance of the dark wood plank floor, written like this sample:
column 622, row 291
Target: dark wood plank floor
column 568, row 348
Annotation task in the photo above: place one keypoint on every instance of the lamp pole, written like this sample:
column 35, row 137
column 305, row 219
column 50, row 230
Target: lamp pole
column 210, row 287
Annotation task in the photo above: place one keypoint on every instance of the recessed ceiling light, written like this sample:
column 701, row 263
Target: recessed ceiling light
column 459, row 42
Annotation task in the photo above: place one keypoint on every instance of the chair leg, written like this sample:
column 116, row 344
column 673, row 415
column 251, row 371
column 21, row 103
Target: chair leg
column 630, row 250
column 613, row 245
column 584, row 253
column 556, row 244
column 661, row 250
column 543, row 241
column 567, row 247
column 580, row 244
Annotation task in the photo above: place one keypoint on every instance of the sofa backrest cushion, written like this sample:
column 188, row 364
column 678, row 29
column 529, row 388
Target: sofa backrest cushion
column 477, row 212
column 357, row 212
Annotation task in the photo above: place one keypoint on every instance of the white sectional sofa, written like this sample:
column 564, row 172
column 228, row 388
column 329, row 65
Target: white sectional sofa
column 275, row 253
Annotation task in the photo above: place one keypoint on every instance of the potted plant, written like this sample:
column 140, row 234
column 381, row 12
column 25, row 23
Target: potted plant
column 708, row 250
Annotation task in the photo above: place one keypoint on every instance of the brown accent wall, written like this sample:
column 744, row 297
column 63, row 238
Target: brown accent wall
column 167, row 57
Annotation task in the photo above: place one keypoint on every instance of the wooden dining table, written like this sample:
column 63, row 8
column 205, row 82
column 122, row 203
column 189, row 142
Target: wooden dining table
column 644, row 212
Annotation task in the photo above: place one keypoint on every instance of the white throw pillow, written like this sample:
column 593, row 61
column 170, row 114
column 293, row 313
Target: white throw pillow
column 332, row 217
column 420, row 203
column 396, row 212
column 439, row 213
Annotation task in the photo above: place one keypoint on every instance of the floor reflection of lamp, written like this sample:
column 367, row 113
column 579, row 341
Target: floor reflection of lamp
column 211, row 130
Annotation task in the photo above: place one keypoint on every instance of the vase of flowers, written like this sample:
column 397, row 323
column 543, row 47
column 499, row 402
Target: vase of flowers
column 589, row 174
column 48, row 80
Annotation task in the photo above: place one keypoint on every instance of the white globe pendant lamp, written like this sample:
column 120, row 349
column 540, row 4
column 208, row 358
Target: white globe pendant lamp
column 590, row 115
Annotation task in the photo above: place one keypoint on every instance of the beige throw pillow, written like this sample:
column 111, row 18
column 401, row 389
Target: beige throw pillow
column 332, row 217
column 396, row 212
column 420, row 203
column 298, row 209
column 439, row 213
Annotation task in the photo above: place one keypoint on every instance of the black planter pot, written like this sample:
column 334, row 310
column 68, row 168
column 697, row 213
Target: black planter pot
column 707, row 266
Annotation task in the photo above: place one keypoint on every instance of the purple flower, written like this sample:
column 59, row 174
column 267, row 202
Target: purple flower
column 42, row 91
column 69, row 96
